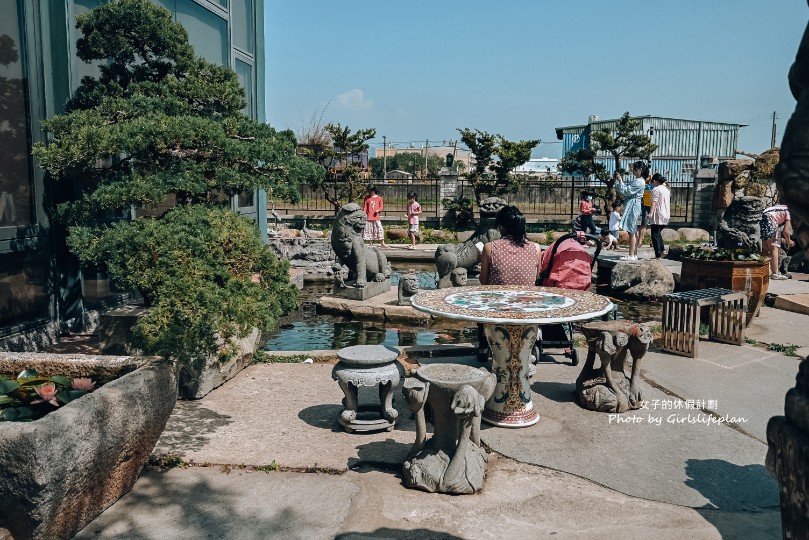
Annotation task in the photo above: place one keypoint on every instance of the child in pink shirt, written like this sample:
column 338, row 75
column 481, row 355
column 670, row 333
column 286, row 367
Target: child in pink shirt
column 373, row 207
column 413, row 211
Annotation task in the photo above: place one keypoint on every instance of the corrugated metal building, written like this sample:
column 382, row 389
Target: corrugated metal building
column 680, row 143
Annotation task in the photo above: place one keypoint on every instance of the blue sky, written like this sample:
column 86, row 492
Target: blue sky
column 418, row 70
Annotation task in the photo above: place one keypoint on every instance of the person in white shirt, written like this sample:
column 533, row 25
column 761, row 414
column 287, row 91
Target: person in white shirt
column 615, row 220
column 659, row 213
column 608, row 241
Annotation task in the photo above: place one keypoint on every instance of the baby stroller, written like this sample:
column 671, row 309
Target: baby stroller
column 567, row 265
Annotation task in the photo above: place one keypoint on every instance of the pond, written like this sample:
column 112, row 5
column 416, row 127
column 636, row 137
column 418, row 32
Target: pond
column 306, row 330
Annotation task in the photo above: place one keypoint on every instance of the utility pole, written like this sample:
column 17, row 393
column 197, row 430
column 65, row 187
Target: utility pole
column 384, row 157
column 772, row 141
column 426, row 146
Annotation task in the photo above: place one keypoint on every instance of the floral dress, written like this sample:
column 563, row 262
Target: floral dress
column 632, row 192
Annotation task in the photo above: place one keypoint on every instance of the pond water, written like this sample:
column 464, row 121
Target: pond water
column 305, row 330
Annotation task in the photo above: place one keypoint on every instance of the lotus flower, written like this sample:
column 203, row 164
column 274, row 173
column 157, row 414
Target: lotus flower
column 83, row 383
column 47, row 392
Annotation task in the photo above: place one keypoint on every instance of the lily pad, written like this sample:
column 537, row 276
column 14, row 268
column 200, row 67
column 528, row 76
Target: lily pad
column 15, row 414
column 61, row 380
column 7, row 386
column 28, row 374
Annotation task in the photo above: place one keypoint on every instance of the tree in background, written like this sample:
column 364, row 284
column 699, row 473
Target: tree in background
column 160, row 126
column 410, row 162
column 495, row 159
column 341, row 160
column 626, row 141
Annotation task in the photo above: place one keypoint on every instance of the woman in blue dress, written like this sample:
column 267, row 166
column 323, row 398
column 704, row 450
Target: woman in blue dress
column 632, row 192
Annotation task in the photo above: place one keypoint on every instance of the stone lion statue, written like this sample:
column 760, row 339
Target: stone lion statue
column 364, row 263
column 408, row 287
column 448, row 257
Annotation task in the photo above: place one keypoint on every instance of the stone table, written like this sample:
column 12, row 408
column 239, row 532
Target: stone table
column 367, row 365
column 452, row 461
column 510, row 315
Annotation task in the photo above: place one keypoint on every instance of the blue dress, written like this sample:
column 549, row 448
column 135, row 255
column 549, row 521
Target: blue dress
column 632, row 192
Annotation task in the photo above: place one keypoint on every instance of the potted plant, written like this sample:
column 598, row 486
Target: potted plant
column 734, row 269
column 71, row 446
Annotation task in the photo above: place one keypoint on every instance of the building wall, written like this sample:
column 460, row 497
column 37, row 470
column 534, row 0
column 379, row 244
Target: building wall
column 41, row 284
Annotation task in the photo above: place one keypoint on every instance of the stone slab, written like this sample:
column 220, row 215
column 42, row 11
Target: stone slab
column 378, row 308
column 518, row 501
column 285, row 413
column 696, row 465
column 371, row 289
column 799, row 284
column 238, row 505
column 779, row 326
column 796, row 303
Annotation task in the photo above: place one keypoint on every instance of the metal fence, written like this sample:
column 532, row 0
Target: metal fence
column 313, row 202
column 551, row 200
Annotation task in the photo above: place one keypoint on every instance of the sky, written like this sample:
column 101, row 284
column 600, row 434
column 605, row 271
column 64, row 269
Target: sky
column 419, row 70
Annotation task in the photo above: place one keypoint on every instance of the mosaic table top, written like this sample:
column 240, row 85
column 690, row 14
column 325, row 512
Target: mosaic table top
column 512, row 304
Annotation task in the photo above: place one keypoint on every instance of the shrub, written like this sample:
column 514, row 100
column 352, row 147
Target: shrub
column 460, row 215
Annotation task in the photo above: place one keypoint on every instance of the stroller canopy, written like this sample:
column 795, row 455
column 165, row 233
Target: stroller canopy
column 570, row 267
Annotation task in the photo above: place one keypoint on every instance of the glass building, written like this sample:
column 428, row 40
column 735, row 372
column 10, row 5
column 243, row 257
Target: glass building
column 42, row 286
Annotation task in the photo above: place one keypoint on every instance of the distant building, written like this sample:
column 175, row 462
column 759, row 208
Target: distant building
column 680, row 143
column 396, row 174
column 464, row 156
column 538, row 166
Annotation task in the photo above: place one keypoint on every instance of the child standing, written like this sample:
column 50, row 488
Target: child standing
column 373, row 207
column 615, row 221
column 586, row 214
column 413, row 211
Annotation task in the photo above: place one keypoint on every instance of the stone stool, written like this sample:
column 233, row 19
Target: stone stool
column 607, row 388
column 452, row 461
column 367, row 365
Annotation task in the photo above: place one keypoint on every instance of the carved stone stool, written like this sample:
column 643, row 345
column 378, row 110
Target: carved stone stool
column 452, row 461
column 607, row 389
column 367, row 365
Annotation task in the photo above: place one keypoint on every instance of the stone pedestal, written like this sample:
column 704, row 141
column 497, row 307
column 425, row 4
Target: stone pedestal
column 452, row 461
column 607, row 389
column 367, row 365
column 371, row 289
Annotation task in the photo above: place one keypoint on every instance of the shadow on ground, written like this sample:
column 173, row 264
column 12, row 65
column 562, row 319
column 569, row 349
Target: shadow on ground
column 387, row 455
column 189, row 425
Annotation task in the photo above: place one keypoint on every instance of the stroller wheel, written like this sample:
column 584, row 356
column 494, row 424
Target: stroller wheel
column 574, row 357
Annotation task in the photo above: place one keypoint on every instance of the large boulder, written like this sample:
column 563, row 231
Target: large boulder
column 539, row 238
column 623, row 237
column 396, row 234
column 63, row 470
column 643, row 278
column 670, row 235
column 556, row 235
column 690, row 234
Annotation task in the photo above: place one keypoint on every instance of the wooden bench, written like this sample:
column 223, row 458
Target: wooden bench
column 681, row 319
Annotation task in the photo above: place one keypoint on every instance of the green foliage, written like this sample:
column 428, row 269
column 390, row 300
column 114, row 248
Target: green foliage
column 490, row 176
column 411, row 162
column 30, row 396
column 460, row 214
column 160, row 126
column 626, row 141
column 722, row 254
column 204, row 270
column 341, row 180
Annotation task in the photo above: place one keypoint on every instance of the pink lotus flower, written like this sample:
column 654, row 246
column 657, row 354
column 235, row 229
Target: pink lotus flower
column 47, row 392
column 83, row 383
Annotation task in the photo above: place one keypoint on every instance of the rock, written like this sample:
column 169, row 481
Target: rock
column 288, row 233
column 694, row 235
column 623, row 237
column 201, row 375
column 463, row 236
column 445, row 236
column 396, row 234
column 63, row 470
column 670, row 235
column 556, row 235
column 311, row 233
column 115, row 330
column 539, row 238
column 644, row 278
column 740, row 224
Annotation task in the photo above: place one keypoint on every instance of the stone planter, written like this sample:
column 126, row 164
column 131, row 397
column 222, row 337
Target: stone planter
column 63, row 470
column 198, row 376
column 749, row 276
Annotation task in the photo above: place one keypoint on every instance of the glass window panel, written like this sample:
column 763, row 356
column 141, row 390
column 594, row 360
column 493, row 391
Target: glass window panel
column 242, row 21
column 16, row 206
column 23, row 287
column 207, row 32
column 245, row 73
column 245, row 199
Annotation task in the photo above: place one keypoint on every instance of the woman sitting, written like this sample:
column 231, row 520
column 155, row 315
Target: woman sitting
column 512, row 260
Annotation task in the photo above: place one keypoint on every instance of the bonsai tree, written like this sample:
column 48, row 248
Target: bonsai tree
column 338, row 151
column 495, row 158
column 626, row 141
column 160, row 126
